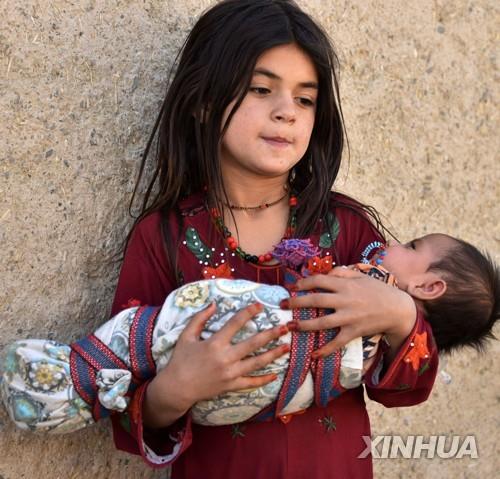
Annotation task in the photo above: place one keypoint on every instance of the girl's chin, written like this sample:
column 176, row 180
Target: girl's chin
column 273, row 173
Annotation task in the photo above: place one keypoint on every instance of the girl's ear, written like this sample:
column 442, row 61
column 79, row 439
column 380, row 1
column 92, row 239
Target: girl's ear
column 427, row 286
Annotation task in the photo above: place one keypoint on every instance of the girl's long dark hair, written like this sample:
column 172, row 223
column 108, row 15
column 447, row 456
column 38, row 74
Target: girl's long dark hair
column 214, row 68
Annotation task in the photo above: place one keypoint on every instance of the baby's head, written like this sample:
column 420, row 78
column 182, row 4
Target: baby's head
column 456, row 286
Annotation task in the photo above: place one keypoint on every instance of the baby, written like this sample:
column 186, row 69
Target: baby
column 54, row 387
column 455, row 285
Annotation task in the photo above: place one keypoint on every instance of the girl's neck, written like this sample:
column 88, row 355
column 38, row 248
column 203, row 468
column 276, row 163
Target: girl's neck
column 257, row 230
column 246, row 191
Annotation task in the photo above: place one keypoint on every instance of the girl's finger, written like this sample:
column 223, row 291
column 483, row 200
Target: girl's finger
column 333, row 271
column 250, row 345
column 227, row 332
column 328, row 321
column 319, row 281
column 255, row 363
column 313, row 300
column 346, row 272
column 195, row 326
column 342, row 338
column 253, row 382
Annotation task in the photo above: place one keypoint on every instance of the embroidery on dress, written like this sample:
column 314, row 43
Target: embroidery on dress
column 221, row 271
column 237, row 430
column 318, row 265
column 418, row 350
column 131, row 303
column 328, row 423
column 329, row 236
column 205, row 256
column 423, row 368
column 196, row 246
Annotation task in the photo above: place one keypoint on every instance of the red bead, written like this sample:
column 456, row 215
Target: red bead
column 262, row 259
column 292, row 201
column 268, row 257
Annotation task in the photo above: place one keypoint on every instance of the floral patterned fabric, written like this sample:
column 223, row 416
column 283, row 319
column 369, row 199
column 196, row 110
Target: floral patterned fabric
column 38, row 389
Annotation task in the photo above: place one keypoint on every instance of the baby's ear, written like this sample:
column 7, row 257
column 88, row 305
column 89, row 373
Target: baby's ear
column 427, row 286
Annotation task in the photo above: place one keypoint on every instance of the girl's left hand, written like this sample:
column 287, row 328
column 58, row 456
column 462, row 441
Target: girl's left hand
column 363, row 306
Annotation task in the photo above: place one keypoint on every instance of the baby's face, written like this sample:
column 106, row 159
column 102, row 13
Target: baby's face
column 410, row 262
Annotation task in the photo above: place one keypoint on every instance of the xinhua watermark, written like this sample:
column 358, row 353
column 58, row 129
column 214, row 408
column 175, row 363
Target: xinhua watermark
column 419, row 447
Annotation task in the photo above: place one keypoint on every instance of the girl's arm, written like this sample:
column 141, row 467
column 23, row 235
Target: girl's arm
column 362, row 306
column 405, row 369
column 203, row 369
column 155, row 424
column 405, row 376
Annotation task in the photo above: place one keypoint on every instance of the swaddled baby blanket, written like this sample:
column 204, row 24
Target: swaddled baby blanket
column 60, row 388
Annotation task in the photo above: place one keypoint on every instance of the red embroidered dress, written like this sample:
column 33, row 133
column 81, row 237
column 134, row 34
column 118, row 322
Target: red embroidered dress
column 319, row 443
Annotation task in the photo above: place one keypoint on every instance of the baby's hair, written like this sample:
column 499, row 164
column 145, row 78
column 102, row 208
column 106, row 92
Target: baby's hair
column 466, row 313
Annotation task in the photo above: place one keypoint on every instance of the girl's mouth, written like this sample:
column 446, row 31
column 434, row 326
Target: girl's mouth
column 277, row 141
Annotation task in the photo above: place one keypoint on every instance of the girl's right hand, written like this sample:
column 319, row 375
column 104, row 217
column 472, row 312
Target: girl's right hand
column 202, row 369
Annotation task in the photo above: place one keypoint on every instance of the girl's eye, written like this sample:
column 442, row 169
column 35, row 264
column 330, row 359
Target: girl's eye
column 306, row 101
column 260, row 90
column 412, row 244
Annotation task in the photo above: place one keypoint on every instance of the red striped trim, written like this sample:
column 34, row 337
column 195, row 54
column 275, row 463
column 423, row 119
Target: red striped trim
column 142, row 352
column 75, row 376
column 103, row 349
column 300, row 359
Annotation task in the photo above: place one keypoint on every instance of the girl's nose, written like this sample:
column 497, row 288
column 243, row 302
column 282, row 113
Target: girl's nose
column 284, row 111
column 286, row 117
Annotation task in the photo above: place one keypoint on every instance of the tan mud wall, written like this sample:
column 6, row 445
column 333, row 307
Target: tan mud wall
column 80, row 85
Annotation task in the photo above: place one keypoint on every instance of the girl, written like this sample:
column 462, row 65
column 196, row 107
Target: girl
column 250, row 139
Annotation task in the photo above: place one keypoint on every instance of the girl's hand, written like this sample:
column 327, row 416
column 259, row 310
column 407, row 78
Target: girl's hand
column 201, row 369
column 363, row 306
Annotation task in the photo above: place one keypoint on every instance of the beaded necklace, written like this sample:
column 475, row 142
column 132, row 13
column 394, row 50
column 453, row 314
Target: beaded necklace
column 262, row 206
column 232, row 243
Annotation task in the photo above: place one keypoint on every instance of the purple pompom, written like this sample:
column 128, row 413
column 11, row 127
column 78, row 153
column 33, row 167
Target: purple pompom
column 294, row 253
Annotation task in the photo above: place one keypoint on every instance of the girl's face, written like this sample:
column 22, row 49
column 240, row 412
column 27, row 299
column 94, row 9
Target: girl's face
column 270, row 131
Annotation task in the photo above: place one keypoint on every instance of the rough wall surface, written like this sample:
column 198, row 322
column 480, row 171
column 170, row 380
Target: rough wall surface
column 80, row 86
